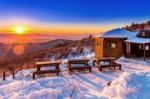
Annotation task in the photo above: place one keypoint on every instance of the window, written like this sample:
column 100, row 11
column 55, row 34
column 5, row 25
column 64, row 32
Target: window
column 147, row 47
column 112, row 45
column 140, row 47
column 143, row 33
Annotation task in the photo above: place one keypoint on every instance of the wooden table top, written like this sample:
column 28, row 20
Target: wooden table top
column 78, row 60
column 105, row 59
column 47, row 62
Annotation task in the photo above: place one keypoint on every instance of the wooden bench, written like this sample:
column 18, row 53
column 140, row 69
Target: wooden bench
column 80, row 62
column 39, row 65
column 111, row 63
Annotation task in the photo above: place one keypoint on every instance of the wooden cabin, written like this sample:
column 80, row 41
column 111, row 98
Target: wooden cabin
column 120, row 42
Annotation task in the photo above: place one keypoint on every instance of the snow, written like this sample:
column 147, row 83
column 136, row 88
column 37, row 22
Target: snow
column 129, row 86
column 122, row 33
column 133, row 82
column 43, row 88
column 135, row 39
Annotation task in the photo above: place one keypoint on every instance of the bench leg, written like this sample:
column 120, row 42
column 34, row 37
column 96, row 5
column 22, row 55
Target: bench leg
column 89, row 70
column 57, row 73
column 13, row 74
column 100, row 69
column 33, row 76
column 120, row 68
column 94, row 63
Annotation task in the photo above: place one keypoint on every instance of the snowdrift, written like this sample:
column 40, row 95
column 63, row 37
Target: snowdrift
column 43, row 88
column 129, row 86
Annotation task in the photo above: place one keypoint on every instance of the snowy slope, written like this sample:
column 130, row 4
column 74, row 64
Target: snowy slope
column 130, row 83
column 129, row 86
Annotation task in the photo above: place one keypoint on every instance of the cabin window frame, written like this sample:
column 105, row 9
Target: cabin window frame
column 147, row 47
column 112, row 45
column 143, row 34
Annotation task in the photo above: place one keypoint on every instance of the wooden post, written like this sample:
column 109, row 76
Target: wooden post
column 33, row 76
column 144, row 52
column 128, row 49
column 124, row 48
column 4, row 75
column 94, row 63
column 13, row 72
column 20, row 66
column 69, row 65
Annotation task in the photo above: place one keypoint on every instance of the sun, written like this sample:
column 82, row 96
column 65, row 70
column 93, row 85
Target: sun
column 19, row 30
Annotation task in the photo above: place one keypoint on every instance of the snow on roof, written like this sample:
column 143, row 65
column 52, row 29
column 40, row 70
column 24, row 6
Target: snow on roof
column 138, row 40
column 122, row 33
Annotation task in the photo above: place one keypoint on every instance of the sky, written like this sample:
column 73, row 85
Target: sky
column 70, row 17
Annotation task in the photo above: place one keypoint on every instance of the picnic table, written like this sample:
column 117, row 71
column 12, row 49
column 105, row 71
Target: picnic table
column 108, row 62
column 82, row 65
column 39, row 65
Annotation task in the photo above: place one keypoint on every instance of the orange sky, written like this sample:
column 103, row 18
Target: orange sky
column 55, row 28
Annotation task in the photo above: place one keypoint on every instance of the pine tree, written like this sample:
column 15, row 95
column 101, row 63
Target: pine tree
column 90, row 36
column 148, row 22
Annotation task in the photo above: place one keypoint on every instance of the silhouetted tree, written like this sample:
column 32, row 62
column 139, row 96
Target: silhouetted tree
column 148, row 22
column 90, row 36
column 134, row 24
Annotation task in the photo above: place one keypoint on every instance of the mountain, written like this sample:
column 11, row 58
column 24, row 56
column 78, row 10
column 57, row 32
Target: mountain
column 11, row 51
column 56, row 49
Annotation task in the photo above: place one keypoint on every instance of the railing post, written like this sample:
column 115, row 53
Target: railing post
column 13, row 73
column 4, row 75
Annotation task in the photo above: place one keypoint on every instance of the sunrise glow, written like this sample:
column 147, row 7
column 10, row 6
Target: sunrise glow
column 19, row 30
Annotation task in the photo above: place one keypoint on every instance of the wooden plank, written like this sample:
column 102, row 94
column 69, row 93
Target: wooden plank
column 38, row 65
column 83, row 61
column 48, row 63
column 80, row 68
column 45, row 71
column 77, row 60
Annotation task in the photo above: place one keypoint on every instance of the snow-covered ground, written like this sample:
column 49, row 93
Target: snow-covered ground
column 133, row 82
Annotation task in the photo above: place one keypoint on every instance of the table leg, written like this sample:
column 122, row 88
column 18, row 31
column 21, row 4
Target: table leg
column 69, row 65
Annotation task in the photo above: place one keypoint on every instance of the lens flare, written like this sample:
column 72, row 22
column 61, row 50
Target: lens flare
column 18, row 49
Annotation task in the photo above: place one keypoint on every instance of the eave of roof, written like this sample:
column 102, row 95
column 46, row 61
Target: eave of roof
column 126, row 35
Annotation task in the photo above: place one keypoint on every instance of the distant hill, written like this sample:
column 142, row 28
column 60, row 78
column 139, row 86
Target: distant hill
column 56, row 49
column 7, row 50
column 72, row 49
column 136, row 27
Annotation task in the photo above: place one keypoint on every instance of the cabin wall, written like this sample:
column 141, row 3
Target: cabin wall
column 98, row 47
column 112, row 51
column 137, row 50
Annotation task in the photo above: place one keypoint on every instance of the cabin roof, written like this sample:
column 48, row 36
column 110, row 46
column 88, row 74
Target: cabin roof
column 119, row 33
column 138, row 40
column 122, row 33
